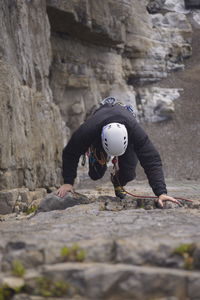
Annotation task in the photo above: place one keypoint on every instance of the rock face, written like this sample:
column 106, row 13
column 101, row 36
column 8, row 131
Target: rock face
column 178, row 156
column 109, row 49
column 31, row 126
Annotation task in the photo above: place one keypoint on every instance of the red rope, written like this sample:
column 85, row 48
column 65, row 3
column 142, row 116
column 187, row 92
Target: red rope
column 114, row 161
column 153, row 197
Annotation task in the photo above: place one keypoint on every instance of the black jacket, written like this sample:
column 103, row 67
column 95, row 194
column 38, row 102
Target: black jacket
column 90, row 131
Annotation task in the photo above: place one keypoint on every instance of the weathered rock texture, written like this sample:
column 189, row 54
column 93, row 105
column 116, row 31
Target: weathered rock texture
column 181, row 143
column 109, row 48
column 110, row 252
column 31, row 131
column 53, row 202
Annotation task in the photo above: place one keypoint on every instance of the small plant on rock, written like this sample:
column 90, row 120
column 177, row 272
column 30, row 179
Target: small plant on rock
column 186, row 251
column 17, row 268
column 65, row 252
column 6, row 292
column 49, row 288
column 73, row 253
column 182, row 249
column 31, row 209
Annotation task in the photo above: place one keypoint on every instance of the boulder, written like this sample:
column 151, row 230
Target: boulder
column 53, row 202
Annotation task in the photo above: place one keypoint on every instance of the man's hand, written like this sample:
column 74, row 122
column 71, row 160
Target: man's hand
column 64, row 189
column 165, row 197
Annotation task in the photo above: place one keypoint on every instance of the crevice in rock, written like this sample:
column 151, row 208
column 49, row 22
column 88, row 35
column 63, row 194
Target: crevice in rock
column 192, row 4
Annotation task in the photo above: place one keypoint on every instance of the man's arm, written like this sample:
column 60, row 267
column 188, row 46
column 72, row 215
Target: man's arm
column 64, row 189
column 79, row 143
column 70, row 158
column 150, row 160
column 152, row 164
column 163, row 198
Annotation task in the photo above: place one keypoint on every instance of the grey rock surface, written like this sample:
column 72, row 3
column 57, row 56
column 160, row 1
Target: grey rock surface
column 154, row 6
column 19, row 199
column 31, row 126
column 53, row 202
column 127, row 250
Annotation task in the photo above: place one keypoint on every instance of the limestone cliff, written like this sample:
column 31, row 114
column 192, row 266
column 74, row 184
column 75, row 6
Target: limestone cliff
column 31, row 131
column 113, row 48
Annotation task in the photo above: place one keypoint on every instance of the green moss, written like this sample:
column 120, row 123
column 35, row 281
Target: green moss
column 6, row 292
column 1, row 294
column 65, row 252
column 73, row 253
column 31, row 209
column 48, row 288
column 80, row 256
column 186, row 251
column 60, row 288
column 141, row 206
column 17, row 268
column 140, row 203
column 43, row 287
column 183, row 248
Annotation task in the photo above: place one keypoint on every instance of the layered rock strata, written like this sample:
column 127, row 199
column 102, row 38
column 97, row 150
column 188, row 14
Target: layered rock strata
column 111, row 49
column 31, row 126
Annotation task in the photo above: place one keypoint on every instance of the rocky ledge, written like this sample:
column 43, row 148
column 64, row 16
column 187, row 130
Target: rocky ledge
column 98, row 247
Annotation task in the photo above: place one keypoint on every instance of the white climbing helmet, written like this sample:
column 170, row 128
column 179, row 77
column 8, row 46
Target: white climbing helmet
column 114, row 138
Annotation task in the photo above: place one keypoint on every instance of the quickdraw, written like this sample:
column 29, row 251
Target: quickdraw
column 102, row 161
column 92, row 154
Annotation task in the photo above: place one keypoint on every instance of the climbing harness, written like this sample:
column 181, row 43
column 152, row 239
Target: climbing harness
column 92, row 155
column 115, row 161
column 119, row 190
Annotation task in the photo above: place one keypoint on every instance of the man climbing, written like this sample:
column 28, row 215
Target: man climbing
column 112, row 130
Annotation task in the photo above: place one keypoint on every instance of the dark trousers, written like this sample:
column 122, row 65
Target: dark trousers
column 127, row 166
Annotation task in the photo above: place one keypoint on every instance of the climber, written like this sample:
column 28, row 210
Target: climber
column 112, row 130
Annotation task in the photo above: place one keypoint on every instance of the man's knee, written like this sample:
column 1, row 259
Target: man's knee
column 95, row 176
column 127, row 177
column 130, row 177
column 97, row 172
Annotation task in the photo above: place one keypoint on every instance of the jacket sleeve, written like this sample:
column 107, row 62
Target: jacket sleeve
column 150, row 160
column 78, row 144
